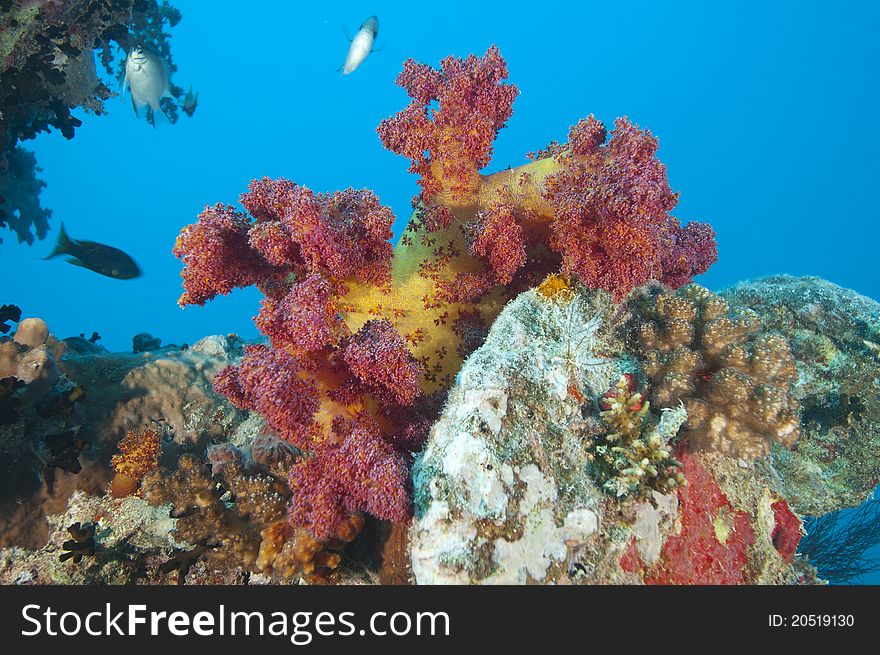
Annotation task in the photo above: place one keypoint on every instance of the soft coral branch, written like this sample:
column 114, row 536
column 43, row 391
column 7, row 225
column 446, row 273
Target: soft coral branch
column 362, row 341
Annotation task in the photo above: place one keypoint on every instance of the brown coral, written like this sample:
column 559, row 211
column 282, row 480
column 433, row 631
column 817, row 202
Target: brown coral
column 238, row 517
column 138, row 455
column 32, row 356
column 289, row 551
column 225, row 514
column 734, row 378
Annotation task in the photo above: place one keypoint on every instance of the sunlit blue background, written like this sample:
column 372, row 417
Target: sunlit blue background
column 767, row 115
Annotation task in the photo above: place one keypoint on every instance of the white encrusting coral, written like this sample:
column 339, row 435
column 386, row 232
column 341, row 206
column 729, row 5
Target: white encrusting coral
column 502, row 491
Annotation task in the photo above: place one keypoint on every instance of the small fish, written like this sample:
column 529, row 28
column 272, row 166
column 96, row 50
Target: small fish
column 146, row 76
column 96, row 257
column 361, row 45
column 190, row 102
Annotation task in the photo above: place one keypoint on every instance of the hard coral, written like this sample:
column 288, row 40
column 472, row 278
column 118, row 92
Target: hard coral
column 31, row 356
column 834, row 334
column 138, row 455
column 287, row 551
column 635, row 457
column 230, row 533
column 362, row 339
column 734, row 378
column 236, row 520
column 40, row 423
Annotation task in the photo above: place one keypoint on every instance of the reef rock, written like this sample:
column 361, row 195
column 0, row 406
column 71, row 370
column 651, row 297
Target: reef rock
column 170, row 388
column 835, row 340
column 500, row 490
column 506, row 491
column 65, row 416
column 39, row 424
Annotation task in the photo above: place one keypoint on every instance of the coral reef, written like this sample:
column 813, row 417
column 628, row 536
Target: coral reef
column 47, row 69
column 726, row 531
column 65, row 439
column 164, row 401
column 834, row 334
column 603, row 420
column 189, row 527
column 41, row 418
column 364, row 340
column 229, row 533
column 30, row 356
column 733, row 377
column 167, row 389
column 128, row 544
column 507, row 489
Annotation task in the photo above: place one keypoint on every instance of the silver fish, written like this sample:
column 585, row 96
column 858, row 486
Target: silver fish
column 361, row 45
column 146, row 76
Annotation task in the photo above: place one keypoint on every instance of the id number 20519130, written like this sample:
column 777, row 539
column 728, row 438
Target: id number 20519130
column 811, row 621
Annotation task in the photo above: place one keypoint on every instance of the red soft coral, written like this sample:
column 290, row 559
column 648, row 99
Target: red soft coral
column 362, row 474
column 457, row 137
column 346, row 387
column 378, row 357
column 688, row 251
column 500, row 243
column 305, row 318
column 217, row 257
column 270, row 382
column 341, row 235
column 611, row 223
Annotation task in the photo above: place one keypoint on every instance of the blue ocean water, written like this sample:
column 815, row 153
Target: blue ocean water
column 766, row 114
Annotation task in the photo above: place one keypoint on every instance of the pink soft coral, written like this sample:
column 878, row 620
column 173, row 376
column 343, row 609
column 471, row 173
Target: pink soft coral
column 363, row 344
column 363, row 473
column 611, row 223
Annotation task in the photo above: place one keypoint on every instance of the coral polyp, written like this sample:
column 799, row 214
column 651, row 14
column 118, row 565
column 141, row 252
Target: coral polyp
column 138, row 455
